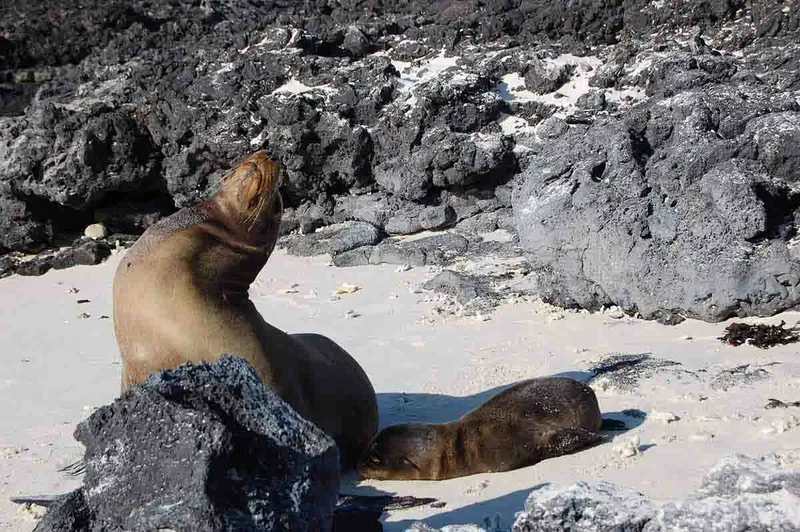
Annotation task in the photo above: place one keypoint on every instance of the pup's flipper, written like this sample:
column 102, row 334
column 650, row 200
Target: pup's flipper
column 572, row 439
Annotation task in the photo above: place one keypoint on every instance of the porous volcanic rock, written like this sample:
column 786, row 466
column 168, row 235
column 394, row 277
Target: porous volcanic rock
column 203, row 447
column 677, row 120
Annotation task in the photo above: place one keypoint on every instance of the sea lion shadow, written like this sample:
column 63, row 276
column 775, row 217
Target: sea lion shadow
column 399, row 407
column 630, row 420
column 493, row 514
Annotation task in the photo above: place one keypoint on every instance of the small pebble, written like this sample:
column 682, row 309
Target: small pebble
column 628, row 447
column 702, row 436
column 350, row 314
column 664, row 418
column 291, row 290
column 402, row 268
column 31, row 512
column 694, row 397
column 9, row 452
column 346, row 288
column 480, row 486
column 686, row 337
column 782, row 425
column 83, row 316
column 96, row 231
column 615, row 313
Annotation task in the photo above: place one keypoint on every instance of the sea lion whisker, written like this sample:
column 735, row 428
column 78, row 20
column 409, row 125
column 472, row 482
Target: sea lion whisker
column 74, row 469
column 260, row 208
column 215, row 185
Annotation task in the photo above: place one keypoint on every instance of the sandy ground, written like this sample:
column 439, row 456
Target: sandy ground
column 59, row 359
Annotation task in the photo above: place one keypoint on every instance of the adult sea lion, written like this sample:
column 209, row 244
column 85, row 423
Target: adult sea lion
column 522, row 425
column 181, row 295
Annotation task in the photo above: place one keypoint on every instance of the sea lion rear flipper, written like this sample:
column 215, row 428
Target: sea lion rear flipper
column 613, row 424
column 571, row 440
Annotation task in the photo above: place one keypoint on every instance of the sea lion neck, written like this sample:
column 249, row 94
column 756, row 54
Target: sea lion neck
column 257, row 235
column 449, row 443
column 229, row 252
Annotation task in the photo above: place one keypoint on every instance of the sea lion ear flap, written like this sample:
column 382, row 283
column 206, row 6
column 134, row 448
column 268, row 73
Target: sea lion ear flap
column 262, row 178
column 271, row 177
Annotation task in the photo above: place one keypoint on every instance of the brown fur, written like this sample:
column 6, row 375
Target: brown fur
column 181, row 295
column 529, row 422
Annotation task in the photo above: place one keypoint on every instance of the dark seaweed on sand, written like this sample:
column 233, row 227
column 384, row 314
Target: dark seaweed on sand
column 762, row 336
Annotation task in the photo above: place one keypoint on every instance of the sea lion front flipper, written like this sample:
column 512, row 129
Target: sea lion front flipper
column 39, row 500
column 571, row 440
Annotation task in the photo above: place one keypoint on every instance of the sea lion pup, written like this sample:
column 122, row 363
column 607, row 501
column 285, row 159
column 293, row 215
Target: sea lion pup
column 522, row 425
column 181, row 295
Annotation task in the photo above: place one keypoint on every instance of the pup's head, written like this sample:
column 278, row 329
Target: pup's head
column 400, row 452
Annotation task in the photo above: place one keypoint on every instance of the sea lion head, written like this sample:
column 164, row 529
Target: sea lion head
column 400, row 452
column 250, row 200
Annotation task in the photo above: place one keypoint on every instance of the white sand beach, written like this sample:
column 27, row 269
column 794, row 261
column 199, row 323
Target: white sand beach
column 59, row 360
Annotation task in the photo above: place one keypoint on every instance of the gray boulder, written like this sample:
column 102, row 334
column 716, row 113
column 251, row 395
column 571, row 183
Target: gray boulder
column 714, row 514
column 333, row 240
column 417, row 218
column 738, row 494
column 465, row 288
column 584, row 507
column 740, row 474
column 206, row 447
column 431, row 137
column 405, row 221
column 68, row 514
column 542, row 77
column 686, row 206
column 355, row 42
column 354, row 235
column 437, row 250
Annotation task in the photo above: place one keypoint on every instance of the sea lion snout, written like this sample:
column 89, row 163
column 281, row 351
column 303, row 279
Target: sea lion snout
column 256, row 181
column 249, row 200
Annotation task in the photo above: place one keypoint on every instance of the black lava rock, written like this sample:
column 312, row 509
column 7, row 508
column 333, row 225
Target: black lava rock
column 205, row 447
